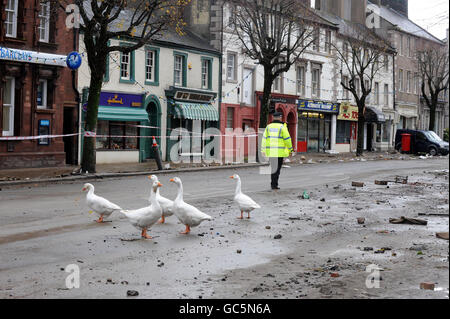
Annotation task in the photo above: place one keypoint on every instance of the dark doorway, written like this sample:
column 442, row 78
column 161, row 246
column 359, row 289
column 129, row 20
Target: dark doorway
column 369, row 137
column 70, row 142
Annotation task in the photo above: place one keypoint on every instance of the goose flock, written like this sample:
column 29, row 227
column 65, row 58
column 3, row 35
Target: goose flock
column 161, row 207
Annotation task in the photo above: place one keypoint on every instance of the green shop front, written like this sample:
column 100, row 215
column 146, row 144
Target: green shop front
column 190, row 113
column 120, row 117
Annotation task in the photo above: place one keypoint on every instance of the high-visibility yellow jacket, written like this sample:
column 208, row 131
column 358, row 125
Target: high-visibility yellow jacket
column 276, row 141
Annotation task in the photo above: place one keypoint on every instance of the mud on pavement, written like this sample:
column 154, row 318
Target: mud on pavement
column 332, row 252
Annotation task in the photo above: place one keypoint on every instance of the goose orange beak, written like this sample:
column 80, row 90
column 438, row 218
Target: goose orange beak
column 83, row 189
column 232, row 177
column 159, row 184
column 149, row 177
column 172, row 180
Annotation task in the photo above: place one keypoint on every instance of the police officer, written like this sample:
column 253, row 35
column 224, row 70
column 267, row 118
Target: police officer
column 276, row 145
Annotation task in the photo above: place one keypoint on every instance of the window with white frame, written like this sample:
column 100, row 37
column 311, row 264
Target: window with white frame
column 205, row 74
column 408, row 46
column 358, row 87
column 277, row 83
column 231, row 66
column 402, row 52
column 44, row 25
column 386, row 94
column 41, row 96
column 400, row 80
column 8, row 107
column 328, row 41
column 386, row 63
column 301, row 80
column 125, row 66
column 345, row 45
column 367, row 87
column 150, row 66
column 178, row 70
column 315, row 80
column 409, row 82
column 316, row 40
column 416, row 83
column 11, row 18
column 377, row 93
column 345, row 91
column 230, row 117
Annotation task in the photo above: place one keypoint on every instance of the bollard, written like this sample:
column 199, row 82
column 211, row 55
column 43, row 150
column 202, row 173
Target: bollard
column 157, row 155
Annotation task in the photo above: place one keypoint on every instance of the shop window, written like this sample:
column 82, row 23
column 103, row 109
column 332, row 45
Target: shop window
column 343, row 131
column 124, row 135
column 42, row 95
column 8, row 107
column 44, row 25
column 11, row 18
column 386, row 131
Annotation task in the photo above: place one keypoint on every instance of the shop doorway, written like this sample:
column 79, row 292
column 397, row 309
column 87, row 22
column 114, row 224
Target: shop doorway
column 369, row 137
column 70, row 142
column 314, row 131
column 292, row 125
column 154, row 117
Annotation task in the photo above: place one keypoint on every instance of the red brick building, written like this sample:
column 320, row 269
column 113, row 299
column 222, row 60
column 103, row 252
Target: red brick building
column 36, row 87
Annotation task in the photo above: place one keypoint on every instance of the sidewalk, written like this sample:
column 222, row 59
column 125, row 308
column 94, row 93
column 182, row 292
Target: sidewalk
column 71, row 173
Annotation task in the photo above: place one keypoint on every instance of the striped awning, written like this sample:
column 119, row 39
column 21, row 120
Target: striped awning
column 194, row 111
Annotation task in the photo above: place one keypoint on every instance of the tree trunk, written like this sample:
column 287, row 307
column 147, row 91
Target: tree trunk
column 89, row 158
column 360, row 139
column 432, row 107
column 268, row 81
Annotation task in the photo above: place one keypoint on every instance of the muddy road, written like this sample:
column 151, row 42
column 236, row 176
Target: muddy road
column 47, row 227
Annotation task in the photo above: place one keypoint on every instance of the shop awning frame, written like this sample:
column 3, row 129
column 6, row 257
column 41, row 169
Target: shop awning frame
column 194, row 111
column 373, row 115
column 109, row 113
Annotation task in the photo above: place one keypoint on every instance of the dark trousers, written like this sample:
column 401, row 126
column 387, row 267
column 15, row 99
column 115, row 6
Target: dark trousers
column 275, row 169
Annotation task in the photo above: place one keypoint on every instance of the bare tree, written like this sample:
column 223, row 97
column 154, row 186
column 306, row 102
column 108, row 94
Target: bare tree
column 362, row 54
column 433, row 70
column 274, row 33
column 102, row 21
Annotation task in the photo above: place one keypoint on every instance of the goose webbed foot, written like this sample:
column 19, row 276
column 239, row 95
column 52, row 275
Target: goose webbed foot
column 100, row 220
column 144, row 234
column 187, row 231
column 162, row 220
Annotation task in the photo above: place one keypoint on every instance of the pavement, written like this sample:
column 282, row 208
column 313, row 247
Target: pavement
column 24, row 176
column 45, row 229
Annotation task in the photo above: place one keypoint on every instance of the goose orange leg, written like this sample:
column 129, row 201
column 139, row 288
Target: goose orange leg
column 100, row 220
column 162, row 220
column 248, row 215
column 242, row 213
column 187, row 231
column 144, row 234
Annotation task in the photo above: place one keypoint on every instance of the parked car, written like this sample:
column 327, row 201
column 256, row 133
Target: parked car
column 422, row 142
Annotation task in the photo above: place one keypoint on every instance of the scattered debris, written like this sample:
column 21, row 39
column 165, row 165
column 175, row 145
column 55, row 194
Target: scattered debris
column 239, row 251
column 368, row 248
column 427, row 285
column 361, row 220
column 418, row 247
column 408, row 220
column 132, row 293
column 305, row 195
column 381, row 183
column 442, row 235
column 277, row 236
column 268, row 227
column 401, row 179
column 334, row 274
column 357, row 184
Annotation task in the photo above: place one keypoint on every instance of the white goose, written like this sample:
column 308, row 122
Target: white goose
column 99, row 205
column 144, row 218
column 165, row 203
column 245, row 203
column 187, row 214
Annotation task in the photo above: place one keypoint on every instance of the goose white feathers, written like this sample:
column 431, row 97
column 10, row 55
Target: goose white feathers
column 187, row 214
column 145, row 217
column 245, row 203
column 98, row 204
column 165, row 203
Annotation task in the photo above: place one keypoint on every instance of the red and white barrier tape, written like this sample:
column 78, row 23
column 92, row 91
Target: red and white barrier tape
column 23, row 138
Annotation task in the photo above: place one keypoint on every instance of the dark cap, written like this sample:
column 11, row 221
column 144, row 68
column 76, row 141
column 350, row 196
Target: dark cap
column 277, row 114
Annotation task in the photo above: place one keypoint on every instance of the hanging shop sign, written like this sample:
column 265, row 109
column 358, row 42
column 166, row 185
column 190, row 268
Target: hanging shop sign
column 120, row 99
column 348, row 112
column 16, row 55
column 317, row 106
column 73, row 60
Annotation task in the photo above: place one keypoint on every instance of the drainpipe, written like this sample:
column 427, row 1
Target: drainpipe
column 77, row 96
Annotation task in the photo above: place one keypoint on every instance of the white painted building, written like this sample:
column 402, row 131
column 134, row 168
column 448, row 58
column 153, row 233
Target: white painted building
column 172, row 82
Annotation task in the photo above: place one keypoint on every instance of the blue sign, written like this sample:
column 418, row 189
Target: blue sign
column 73, row 60
column 120, row 99
column 44, row 122
column 317, row 106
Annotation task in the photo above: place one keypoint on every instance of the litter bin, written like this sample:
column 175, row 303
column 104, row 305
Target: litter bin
column 406, row 142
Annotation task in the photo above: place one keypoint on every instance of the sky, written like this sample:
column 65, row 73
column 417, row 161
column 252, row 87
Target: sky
column 432, row 15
